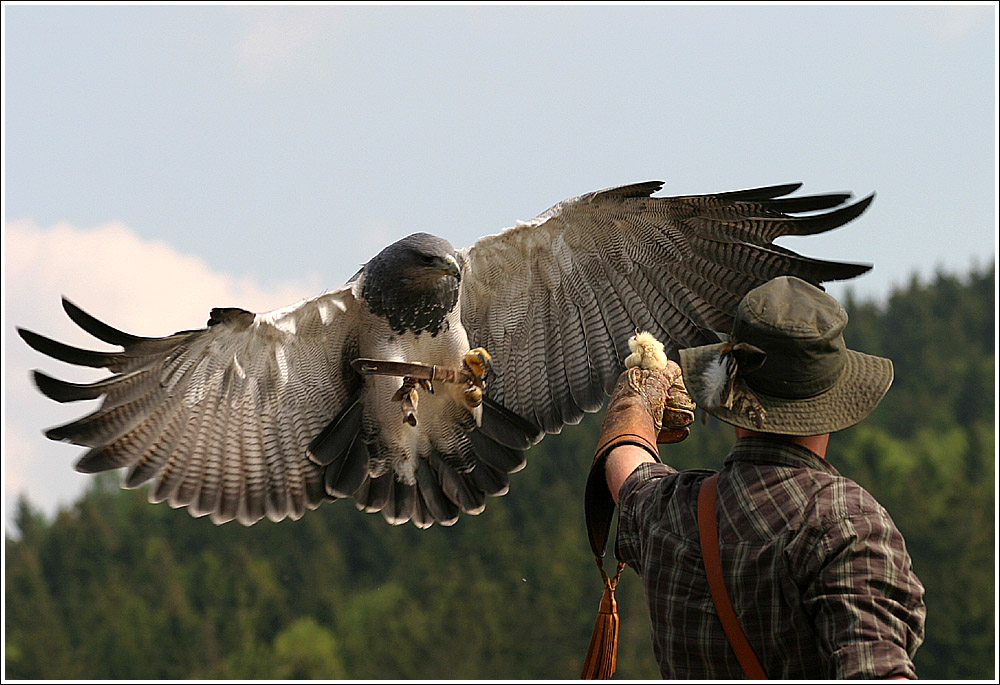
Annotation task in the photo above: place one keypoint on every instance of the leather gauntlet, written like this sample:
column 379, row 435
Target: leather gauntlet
column 646, row 408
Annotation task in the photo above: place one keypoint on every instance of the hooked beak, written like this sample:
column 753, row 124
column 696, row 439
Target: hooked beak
column 448, row 265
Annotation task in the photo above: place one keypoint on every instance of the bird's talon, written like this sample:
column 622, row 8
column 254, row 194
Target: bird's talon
column 478, row 361
column 407, row 396
column 473, row 396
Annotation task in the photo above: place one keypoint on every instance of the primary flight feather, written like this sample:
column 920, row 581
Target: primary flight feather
column 265, row 415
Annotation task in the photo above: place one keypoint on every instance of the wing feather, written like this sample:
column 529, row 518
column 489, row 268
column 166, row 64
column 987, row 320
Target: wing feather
column 582, row 379
column 254, row 505
column 422, row 518
column 233, row 477
column 168, row 457
column 499, row 457
column 276, row 502
column 205, row 483
column 469, row 499
column 402, row 499
column 490, row 480
column 567, row 411
column 674, row 265
column 219, row 418
column 163, row 436
column 531, row 358
column 187, row 464
column 373, row 494
column 437, row 504
column 507, row 428
column 345, row 481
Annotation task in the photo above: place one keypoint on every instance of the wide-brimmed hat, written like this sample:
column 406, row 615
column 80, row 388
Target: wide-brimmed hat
column 809, row 382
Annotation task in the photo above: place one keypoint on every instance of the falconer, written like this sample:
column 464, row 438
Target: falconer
column 817, row 575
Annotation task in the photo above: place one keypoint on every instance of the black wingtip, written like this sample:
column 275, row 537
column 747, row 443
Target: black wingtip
column 336, row 438
column 64, row 391
column 62, row 434
column 820, row 223
column 808, row 203
column 63, row 352
column 96, row 327
column 851, row 270
column 762, row 193
column 644, row 189
column 97, row 460
column 820, row 271
column 852, row 212
column 508, row 428
column 865, row 201
column 27, row 336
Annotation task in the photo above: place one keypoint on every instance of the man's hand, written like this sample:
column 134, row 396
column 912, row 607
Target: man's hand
column 663, row 397
column 678, row 412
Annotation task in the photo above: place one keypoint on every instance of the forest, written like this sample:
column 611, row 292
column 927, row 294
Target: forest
column 114, row 587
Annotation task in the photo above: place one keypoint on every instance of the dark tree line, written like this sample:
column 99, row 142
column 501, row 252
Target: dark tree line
column 114, row 587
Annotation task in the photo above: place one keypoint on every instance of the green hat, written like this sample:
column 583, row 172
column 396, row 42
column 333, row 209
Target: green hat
column 809, row 382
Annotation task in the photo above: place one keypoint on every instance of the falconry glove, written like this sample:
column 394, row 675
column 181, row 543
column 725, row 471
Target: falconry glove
column 647, row 407
column 678, row 412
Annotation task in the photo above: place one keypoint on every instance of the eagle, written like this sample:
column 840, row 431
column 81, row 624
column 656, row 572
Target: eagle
column 269, row 414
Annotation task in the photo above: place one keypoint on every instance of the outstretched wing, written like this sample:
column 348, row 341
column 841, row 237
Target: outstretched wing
column 221, row 418
column 555, row 299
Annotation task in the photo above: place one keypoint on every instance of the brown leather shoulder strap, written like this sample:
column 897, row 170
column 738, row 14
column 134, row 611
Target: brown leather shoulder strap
column 709, row 534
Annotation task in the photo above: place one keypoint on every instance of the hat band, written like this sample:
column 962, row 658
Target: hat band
column 800, row 372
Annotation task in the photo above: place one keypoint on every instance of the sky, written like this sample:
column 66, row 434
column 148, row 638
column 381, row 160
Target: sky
column 160, row 160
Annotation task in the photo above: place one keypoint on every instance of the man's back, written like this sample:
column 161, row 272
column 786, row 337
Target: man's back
column 817, row 571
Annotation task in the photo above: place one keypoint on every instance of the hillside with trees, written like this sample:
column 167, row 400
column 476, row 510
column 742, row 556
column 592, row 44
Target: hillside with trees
column 113, row 587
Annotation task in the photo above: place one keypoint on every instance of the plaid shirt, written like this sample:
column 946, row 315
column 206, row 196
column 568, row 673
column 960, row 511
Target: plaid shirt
column 816, row 570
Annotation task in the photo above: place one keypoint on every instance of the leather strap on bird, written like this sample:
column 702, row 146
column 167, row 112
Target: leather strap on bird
column 602, row 655
column 709, row 534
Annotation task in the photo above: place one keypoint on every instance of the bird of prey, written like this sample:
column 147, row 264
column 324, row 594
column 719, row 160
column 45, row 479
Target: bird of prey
column 268, row 415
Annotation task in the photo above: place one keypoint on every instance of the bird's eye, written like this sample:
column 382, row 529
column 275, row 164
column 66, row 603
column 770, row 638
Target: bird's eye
column 426, row 258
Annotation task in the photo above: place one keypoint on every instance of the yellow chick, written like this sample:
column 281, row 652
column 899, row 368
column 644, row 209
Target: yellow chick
column 647, row 352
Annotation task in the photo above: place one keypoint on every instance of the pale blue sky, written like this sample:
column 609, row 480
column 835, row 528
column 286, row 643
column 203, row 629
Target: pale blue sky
column 196, row 152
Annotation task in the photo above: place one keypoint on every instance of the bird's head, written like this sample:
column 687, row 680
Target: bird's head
column 413, row 283
column 420, row 260
column 435, row 266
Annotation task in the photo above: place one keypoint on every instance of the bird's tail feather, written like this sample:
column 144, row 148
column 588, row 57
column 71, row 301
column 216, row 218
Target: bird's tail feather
column 446, row 481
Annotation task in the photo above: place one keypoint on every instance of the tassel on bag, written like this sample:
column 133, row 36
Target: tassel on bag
column 602, row 655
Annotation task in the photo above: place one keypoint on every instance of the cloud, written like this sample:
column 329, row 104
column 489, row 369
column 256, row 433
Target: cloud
column 948, row 23
column 139, row 286
column 275, row 39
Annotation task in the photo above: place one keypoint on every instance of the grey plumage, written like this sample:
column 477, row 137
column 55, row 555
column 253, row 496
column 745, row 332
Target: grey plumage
column 261, row 415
